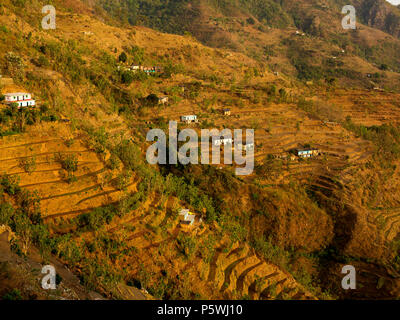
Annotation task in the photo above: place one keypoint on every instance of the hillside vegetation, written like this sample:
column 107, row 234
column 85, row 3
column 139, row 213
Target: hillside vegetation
column 75, row 184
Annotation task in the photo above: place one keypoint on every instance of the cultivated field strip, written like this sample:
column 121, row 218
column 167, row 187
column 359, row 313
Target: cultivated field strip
column 59, row 197
column 239, row 272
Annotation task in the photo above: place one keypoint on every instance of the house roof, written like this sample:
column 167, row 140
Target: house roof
column 306, row 149
column 183, row 212
column 26, row 100
column 17, row 94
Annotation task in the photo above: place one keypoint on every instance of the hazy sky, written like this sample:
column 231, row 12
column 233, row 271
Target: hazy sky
column 396, row 2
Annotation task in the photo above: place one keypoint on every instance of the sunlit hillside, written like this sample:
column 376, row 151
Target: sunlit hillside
column 76, row 189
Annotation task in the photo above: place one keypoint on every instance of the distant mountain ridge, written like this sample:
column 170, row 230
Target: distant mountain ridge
column 179, row 16
column 381, row 15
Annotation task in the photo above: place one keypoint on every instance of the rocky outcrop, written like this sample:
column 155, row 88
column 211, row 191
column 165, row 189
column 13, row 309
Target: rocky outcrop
column 7, row 230
column 381, row 15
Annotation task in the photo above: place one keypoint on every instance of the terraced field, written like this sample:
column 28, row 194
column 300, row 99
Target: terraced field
column 280, row 128
column 232, row 271
column 239, row 272
column 59, row 196
column 368, row 107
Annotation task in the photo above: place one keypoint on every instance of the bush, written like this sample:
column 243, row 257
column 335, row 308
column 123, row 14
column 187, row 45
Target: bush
column 114, row 163
column 187, row 245
column 69, row 162
column 122, row 180
column 127, row 77
column 28, row 164
column 6, row 212
column 10, row 184
column 14, row 294
column 251, row 21
column 138, row 54
column 97, row 218
column 29, row 203
column 42, row 62
column 4, row 29
column 123, row 57
column 151, row 100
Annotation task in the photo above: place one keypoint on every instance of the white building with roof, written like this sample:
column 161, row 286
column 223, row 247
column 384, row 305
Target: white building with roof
column 246, row 146
column 223, row 141
column 22, row 99
column 189, row 118
column 188, row 218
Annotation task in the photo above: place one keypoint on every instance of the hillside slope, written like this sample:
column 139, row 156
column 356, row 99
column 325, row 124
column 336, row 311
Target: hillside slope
column 260, row 29
column 75, row 183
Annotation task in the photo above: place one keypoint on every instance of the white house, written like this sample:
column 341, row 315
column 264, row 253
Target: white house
column 188, row 219
column 163, row 100
column 135, row 68
column 189, row 118
column 184, row 212
column 21, row 98
column 223, row 141
column 307, row 153
column 246, row 146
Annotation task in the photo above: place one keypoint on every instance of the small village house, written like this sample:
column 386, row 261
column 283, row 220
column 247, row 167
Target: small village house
column 285, row 156
column 187, row 219
column 307, row 152
column 189, row 118
column 22, row 99
column 246, row 146
column 163, row 100
column 331, row 123
column 226, row 112
column 223, row 141
column 184, row 212
column 147, row 70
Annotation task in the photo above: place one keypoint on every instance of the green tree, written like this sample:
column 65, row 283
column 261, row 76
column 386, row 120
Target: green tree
column 123, row 57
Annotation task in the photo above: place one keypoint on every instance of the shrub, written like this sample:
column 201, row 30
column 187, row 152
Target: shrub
column 127, row 77
column 151, row 100
column 122, row 180
column 138, row 54
column 4, row 29
column 69, row 162
column 14, row 294
column 187, row 245
column 114, row 163
column 97, row 218
column 10, row 184
column 28, row 164
column 251, row 21
column 6, row 212
column 29, row 203
column 123, row 57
